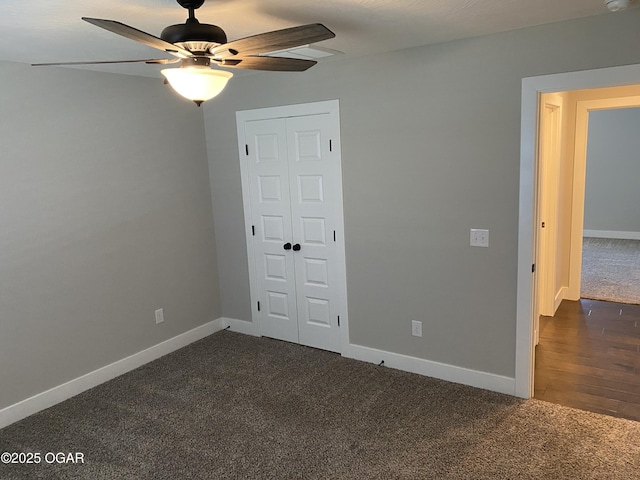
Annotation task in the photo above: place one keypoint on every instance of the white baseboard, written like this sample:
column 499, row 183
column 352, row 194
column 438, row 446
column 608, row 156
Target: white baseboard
column 612, row 234
column 450, row 373
column 561, row 295
column 48, row 398
column 241, row 326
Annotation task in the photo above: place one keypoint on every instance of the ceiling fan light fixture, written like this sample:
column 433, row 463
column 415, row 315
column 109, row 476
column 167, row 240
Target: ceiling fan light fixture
column 196, row 45
column 197, row 83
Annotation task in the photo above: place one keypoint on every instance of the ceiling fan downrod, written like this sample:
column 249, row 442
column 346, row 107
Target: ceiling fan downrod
column 192, row 6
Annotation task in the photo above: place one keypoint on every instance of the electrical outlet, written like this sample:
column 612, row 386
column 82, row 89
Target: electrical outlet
column 416, row 328
column 159, row 316
column 479, row 237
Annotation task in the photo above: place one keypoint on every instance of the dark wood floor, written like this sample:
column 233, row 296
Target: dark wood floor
column 589, row 358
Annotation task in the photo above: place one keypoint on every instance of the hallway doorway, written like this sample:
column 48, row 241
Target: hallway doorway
column 532, row 88
column 588, row 351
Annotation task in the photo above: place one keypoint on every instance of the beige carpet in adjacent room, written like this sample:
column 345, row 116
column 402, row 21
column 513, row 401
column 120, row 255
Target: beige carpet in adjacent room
column 611, row 270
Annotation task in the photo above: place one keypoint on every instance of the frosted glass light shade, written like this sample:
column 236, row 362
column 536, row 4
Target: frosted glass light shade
column 197, row 83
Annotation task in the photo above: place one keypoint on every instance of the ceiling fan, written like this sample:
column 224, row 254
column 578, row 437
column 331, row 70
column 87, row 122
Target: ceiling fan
column 198, row 46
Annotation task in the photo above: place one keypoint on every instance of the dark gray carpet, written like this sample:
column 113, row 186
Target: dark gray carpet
column 611, row 270
column 238, row 407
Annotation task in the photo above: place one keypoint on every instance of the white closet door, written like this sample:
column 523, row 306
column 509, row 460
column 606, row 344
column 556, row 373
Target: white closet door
column 314, row 170
column 271, row 218
column 294, row 184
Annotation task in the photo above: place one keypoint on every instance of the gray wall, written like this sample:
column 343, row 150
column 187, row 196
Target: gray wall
column 105, row 215
column 430, row 144
column 612, row 194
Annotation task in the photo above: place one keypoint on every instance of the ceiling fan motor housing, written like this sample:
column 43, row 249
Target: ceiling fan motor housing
column 193, row 31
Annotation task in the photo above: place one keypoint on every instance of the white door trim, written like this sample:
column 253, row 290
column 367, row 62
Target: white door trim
column 331, row 107
column 531, row 89
column 551, row 111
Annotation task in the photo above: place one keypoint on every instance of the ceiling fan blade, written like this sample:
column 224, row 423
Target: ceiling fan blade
column 139, row 36
column 276, row 40
column 159, row 61
column 275, row 64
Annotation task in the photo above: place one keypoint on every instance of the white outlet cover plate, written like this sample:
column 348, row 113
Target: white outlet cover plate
column 479, row 237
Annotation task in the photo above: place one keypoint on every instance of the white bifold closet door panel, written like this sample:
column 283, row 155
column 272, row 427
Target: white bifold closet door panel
column 271, row 211
column 293, row 177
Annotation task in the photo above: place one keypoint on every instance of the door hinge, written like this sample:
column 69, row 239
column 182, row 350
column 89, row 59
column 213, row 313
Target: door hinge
column 246, row 148
column 334, row 235
column 258, row 306
column 533, row 268
column 338, row 320
column 253, row 230
column 330, row 146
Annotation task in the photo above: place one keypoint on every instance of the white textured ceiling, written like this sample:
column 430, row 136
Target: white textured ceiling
column 52, row 31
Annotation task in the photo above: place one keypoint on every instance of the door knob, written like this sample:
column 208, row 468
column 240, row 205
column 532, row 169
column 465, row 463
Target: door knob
column 287, row 246
column 296, row 247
